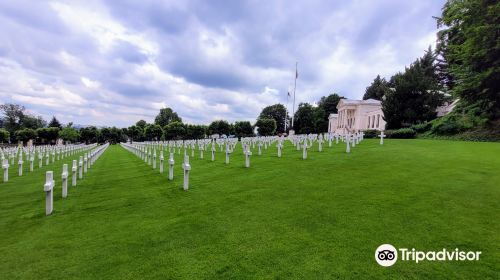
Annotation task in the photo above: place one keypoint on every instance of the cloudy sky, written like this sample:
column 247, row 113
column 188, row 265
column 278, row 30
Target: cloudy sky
column 116, row 62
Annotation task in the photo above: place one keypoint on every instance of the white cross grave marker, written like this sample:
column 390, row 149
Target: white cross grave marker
column 161, row 161
column 171, row 167
column 382, row 135
column 187, row 167
column 5, row 167
column 49, row 194
column 248, row 153
column 64, row 177
column 80, row 169
column 73, row 174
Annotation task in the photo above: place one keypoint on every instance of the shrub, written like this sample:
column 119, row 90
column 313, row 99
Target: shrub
column 454, row 123
column 4, row 135
column 25, row 134
column 371, row 133
column 421, row 127
column 402, row 133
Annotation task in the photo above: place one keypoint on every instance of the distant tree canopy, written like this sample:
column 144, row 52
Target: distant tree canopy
column 194, row 131
column 174, row 131
column 219, row 127
column 377, row 89
column 266, row 126
column 141, row 124
column 304, row 119
column 327, row 105
column 468, row 44
column 4, row 135
column 153, row 132
column 276, row 112
column 89, row 134
column 416, row 94
column 243, row 129
column 69, row 134
column 48, row 135
column 166, row 116
column 25, row 134
column 111, row 135
column 55, row 123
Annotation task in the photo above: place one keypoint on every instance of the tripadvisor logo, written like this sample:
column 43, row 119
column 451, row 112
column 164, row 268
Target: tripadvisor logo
column 387, row 255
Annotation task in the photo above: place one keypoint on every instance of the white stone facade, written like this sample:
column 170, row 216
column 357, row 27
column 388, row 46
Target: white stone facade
column 357, row 115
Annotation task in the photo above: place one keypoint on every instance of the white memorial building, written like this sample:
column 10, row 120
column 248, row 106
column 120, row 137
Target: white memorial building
column 357, row 115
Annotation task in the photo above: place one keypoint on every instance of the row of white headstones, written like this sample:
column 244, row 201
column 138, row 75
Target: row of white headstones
column 147, row 150
column 84, row 163
column 57, row 152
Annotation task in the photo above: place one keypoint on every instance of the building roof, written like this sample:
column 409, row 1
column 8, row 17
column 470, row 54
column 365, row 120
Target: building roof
column 333, row 116
column 359, row 102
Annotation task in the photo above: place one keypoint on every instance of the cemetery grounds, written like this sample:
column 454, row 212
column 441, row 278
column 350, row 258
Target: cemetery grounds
column 282, row 218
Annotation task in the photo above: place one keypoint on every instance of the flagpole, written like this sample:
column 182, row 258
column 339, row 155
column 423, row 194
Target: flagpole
column 294, row 88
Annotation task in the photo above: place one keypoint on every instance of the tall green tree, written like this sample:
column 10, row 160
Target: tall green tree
column 55, row 123
column 25, row 134
column 469, row 42
column 266, row 126
column 12, row 116
column 327, row 105
column 415, row 94
column 219, row 127
column 377, row 89
column 48, row 135
column 276, row 112
column 166, row 116
column 174, row 131
column 243, row 129
column 194, row 131
column 32, row 122
column 304, row 119
column 69, row 134
column 89, row 134
column 153, row 132
column 134, row 132
column 142, row 124
column 4, row 135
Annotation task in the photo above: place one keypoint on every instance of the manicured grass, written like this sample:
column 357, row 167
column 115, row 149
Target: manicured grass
column 286, row 218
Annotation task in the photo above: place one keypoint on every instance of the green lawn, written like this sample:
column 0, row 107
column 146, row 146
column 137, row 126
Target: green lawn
column 283, row 218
